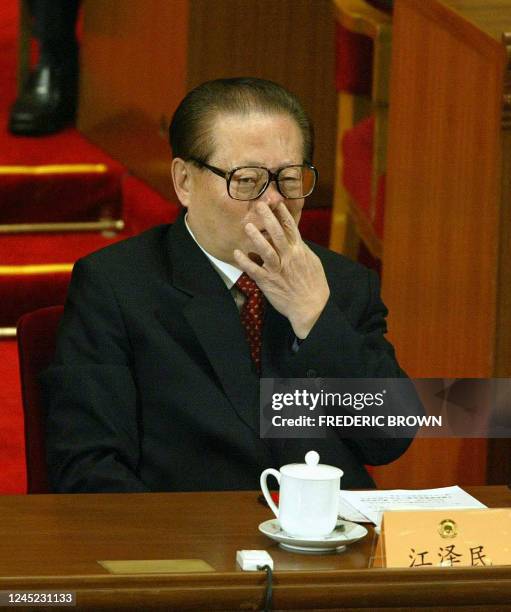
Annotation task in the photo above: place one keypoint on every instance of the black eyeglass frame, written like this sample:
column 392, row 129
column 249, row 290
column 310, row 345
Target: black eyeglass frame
column 272, row 176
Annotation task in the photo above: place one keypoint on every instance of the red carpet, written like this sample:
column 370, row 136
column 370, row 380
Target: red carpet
column 21, row 292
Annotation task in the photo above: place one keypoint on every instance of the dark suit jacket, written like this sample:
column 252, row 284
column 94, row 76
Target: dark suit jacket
column 153, row 388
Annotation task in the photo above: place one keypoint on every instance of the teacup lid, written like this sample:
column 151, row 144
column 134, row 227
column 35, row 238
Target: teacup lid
column 311, row 469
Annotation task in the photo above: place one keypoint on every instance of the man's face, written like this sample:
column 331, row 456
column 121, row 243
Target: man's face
column 217, row 220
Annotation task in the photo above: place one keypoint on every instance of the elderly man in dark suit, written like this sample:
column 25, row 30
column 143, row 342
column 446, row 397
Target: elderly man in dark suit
column 155, row 385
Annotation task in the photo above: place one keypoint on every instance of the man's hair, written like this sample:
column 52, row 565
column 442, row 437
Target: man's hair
column 190, row 129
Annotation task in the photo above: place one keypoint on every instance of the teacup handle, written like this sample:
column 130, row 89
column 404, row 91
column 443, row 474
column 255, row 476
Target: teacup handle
column 264, row 488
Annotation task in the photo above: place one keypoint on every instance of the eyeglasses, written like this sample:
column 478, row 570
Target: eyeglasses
column 250, row 182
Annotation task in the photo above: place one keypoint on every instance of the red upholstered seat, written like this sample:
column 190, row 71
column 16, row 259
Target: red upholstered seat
column 363, row 66
column 315, row 223
column 357, row 149
column 353, row 61
column 36, row 344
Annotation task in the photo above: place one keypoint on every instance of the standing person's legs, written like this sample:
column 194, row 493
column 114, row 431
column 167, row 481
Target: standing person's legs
column 54, row 28
column 48, row 100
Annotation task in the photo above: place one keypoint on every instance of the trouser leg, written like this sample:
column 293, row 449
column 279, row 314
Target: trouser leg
column 54, row 28
column 49, row 98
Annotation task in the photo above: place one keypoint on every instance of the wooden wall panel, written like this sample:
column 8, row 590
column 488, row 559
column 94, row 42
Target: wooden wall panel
column 134, row 67
column 443, row 209
column 499, row 451
column 291, row 42
column 442, row 272
column 140, row 58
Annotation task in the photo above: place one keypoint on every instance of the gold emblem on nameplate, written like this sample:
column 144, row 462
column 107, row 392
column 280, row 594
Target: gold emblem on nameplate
column 448, row 529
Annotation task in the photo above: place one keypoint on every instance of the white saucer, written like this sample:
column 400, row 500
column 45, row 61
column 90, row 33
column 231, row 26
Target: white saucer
column 336, row 541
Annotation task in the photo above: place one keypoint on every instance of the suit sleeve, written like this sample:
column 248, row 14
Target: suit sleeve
column 92, row 427
column 338, row 347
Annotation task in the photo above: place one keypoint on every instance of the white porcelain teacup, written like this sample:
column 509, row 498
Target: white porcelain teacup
column 308, row 497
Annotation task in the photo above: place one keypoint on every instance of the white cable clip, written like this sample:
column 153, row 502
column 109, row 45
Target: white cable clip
column 250, row 560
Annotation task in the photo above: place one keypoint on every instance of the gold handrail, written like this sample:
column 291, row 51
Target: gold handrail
column 53, row 169
column 112, row 225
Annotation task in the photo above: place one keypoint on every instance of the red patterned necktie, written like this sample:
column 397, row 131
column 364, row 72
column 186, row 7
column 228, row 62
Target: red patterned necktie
column 252, row 316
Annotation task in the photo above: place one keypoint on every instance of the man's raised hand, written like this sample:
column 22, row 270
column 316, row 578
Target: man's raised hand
column 289, row 274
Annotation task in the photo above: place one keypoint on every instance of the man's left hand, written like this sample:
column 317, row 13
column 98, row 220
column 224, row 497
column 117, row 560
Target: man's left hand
column 290, row 275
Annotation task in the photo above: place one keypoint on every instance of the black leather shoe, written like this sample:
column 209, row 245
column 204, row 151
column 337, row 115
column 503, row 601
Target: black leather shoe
column 47, row 103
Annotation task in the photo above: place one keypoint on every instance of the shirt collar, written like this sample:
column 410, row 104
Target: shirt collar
column 228, row 273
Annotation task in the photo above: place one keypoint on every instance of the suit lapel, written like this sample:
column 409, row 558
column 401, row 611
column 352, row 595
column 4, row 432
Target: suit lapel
column 212, row 314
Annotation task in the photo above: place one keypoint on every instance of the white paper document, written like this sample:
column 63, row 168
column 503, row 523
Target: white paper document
column 368, row 506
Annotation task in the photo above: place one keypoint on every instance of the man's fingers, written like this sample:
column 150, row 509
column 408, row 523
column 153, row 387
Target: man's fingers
column 256, row 272
column 287, row 222
column 272, row 225
column 263, row 248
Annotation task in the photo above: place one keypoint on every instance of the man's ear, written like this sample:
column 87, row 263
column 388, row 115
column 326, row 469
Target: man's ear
column 182, row 179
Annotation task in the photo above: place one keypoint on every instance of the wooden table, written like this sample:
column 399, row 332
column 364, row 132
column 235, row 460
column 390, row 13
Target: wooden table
column 54, row 542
